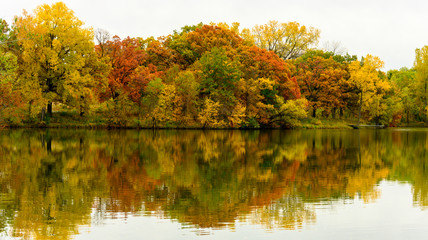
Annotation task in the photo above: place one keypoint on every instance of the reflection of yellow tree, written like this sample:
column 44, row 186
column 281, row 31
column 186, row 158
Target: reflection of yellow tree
column 50, row 184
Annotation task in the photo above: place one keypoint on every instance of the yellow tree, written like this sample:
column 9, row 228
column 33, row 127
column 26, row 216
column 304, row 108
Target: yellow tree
column 254, row 95
column 287, row 40
column 56, row 51
column 365, row 78
column 421, row 78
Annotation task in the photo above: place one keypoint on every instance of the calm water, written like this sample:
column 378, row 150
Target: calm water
column 300, row 184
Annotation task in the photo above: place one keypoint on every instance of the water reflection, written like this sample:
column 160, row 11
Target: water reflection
column 52, row 182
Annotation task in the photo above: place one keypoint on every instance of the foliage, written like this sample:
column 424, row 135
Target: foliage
column 287, row 40
column 54, row 50
column 372, row 88
column 421, row 79
column 267, row 76
column 322, row 82
column 404, row 80
column 289, row 113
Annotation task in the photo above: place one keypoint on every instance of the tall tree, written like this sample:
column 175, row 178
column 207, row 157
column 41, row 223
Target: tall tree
column 54, row 51
column 219, row 74
column 421, row 78
column 321, row 80
column 125, row 57
column 371, row 86
column 288, row 40
column 404, row 80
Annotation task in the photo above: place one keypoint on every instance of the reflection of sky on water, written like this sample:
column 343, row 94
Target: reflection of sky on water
column 392, row 216
column 409, row 129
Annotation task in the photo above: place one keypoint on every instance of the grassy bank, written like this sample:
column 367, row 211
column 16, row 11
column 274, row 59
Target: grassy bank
column 74, row 120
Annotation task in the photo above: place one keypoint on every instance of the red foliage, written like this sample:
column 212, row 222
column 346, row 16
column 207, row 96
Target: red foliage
column 125, row 58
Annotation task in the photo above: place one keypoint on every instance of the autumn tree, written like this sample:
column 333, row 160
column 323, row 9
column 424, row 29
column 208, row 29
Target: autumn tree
column 159, row 54
column 372, row 87
column 125, row 58
column 187, row 91
column 322, row 82
column 260, row 63
column 11, row 106
column 421, row 78
column 54, row 50
column 287, row 40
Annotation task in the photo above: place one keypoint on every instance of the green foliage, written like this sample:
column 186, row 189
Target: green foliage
column 119, row 110
column 219, row 74
column 421, row 81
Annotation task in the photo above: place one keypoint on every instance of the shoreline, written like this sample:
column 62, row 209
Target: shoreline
column 308, row 123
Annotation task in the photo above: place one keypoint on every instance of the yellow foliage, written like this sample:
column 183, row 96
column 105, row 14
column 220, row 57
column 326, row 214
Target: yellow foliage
column 255, row 103
column 372, row 89
column 209, row 116
column 287, row 40
column 55, row 49
column 289, row 112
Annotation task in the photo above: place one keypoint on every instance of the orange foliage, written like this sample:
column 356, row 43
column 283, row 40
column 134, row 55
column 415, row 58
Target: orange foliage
column 125, row 58
column 260, row 63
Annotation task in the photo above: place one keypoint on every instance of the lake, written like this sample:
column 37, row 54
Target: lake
column 214, row 184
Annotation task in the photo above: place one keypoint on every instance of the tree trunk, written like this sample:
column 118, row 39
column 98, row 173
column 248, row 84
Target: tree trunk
column 333, row 114
column 314, row 112
column 82, row 107
column 29, row 109
column 42, row 114
column 425, row 101
column 359, row 111
column 50, row 109
column 407, row 117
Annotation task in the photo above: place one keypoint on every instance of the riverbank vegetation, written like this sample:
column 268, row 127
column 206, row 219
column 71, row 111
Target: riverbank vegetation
column 54, row 74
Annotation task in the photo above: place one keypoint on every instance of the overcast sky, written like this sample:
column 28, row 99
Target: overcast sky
column 390, row 29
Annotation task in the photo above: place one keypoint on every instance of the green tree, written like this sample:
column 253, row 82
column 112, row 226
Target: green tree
column 404, row 80
column 218, row 77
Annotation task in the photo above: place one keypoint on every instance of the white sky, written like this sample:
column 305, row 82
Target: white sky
column 390, row 29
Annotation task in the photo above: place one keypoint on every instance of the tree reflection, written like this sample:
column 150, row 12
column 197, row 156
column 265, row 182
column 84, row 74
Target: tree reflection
column 52, row 182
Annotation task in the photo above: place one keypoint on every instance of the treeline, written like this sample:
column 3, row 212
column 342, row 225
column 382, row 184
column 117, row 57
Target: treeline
column 210, row 76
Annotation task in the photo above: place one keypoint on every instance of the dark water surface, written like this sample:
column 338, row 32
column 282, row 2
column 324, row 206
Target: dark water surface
column 183, row 184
